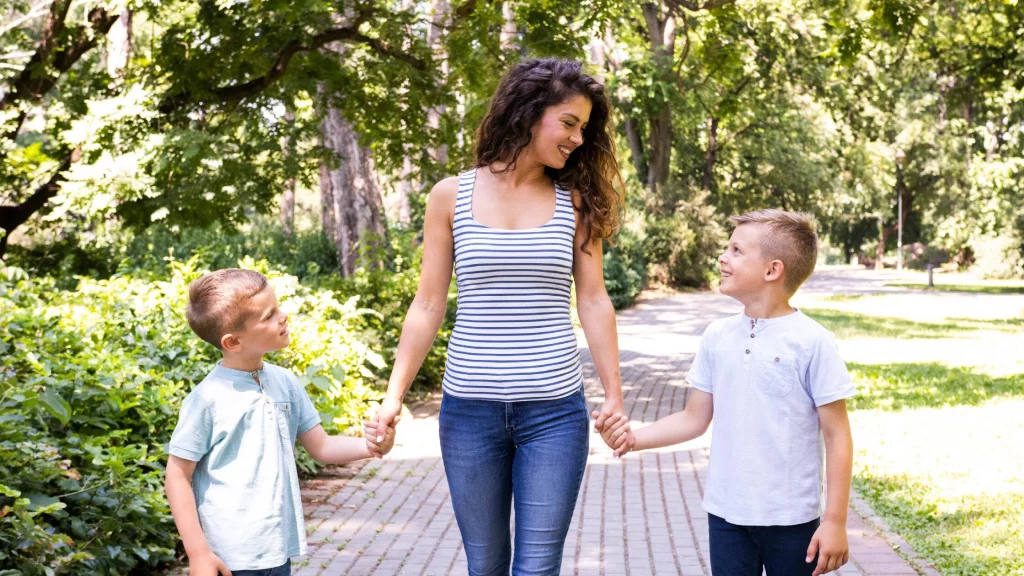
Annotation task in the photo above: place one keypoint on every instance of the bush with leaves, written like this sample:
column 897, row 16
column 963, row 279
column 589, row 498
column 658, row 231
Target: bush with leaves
column 90, row 385
column 625, row 268
column 684, row 246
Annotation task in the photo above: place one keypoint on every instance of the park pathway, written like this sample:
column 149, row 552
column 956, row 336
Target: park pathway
column 637, row 516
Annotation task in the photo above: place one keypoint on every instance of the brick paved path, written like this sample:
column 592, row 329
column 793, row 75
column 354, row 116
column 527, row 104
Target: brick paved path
column 637, row 516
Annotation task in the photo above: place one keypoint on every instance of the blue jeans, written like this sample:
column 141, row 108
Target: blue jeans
column 282, row 570
column 745, row 550
column 531, row 454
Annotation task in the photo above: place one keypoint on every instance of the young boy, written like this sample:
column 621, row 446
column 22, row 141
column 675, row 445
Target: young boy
column 776, row 385
column 231, row 478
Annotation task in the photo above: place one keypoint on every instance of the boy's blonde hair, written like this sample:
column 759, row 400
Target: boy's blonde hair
column 216, row 302
column 789, row 237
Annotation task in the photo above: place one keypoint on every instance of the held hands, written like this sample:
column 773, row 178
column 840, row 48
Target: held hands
column 380, row 440
column 380, row 431
column 830, row 544
column 613, row 425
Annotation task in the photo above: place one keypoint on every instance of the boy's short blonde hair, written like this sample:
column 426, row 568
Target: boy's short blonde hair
column 216, row 302
column 789, row 237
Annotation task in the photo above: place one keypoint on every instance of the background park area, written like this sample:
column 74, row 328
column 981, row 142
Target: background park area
column 145, row 142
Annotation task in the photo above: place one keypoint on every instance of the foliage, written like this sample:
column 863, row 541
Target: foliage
column 625, row 268
column 684, row 247
column 306, row 254
column 390, row 292
column 92, row 380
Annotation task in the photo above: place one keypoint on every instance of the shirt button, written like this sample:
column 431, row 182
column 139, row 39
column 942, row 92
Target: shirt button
column 748, row 351
column 751, row 335
column 776, row 358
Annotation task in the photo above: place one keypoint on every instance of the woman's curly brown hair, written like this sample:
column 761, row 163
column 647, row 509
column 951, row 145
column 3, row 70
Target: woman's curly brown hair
column 592, row 170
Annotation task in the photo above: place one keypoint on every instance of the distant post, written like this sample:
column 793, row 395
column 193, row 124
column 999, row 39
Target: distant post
column 930, row 283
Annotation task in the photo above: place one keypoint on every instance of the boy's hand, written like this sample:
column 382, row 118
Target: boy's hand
column 616, row 433
column 830, row 544
column 207, row 565
column 380, row 441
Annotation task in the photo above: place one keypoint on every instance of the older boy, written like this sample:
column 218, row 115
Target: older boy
column 231, row 478
column 776, row 385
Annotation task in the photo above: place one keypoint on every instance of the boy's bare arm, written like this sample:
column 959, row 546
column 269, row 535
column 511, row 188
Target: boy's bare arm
column 678, row 427
column 830, row 541
column 178, row 487
column 341, row 449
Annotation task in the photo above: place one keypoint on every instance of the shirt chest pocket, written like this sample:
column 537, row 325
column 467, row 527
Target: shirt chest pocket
column 283, row 415
column 775, row 375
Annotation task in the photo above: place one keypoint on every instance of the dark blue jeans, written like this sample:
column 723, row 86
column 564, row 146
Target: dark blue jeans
column 531, row 454
column 282, row 570
column 746, row 550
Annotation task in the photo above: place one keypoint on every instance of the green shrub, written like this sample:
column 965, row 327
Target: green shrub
column 684, row 247
column 306, row 254
column 90, row 385
column 625, row 268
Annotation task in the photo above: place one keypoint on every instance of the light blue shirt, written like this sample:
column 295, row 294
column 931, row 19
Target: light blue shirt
column 246, row 486
column 767, row 381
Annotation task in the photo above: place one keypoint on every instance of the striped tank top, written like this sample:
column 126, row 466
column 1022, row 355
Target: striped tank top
column 513, row 338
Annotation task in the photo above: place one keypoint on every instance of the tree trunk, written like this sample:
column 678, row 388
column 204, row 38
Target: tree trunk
column 440, row 19
column 636, row 148
column 288, row 207
column 661, row 148
column 353, row 208
column 631, row 125
column 710, row 156
column 288, row 194
column 509, row 33
column 119, row 45
column 880, row 251
column 661, row 32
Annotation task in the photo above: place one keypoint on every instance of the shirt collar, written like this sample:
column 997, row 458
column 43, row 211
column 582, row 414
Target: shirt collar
column 238, row 375
column 760, row 324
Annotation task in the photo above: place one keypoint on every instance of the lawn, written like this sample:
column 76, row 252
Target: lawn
column 940, row 448
column 987, row 288
column 849, row 325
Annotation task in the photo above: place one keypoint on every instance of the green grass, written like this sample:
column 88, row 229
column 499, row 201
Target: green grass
column 846, row 325
column 844, row 297
column 907, row 386
column 975, row 288
column 979, row 535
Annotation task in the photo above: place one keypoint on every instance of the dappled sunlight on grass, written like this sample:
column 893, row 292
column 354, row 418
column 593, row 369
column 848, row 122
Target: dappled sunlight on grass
column 972, row 536
column 948, row 479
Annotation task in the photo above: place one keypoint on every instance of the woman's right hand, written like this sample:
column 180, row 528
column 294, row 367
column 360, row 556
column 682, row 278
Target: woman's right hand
column 386, row 416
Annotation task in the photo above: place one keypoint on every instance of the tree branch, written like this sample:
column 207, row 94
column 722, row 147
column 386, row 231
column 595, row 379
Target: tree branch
column 349, row 34
column 11, row 217
column 51, row 59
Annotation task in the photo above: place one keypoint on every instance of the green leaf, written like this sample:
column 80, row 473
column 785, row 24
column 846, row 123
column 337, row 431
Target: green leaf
column 8, row 491
column 322, row 382
column 43, row 504
column 339, row 373
column 56, row 405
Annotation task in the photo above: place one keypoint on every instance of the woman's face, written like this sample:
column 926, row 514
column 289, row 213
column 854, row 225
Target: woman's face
column 559, row 132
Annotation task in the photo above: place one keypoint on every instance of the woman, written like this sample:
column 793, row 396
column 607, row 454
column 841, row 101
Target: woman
column 519, row 228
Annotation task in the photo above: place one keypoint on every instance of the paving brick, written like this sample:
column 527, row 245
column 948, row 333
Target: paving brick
column 638, row 515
